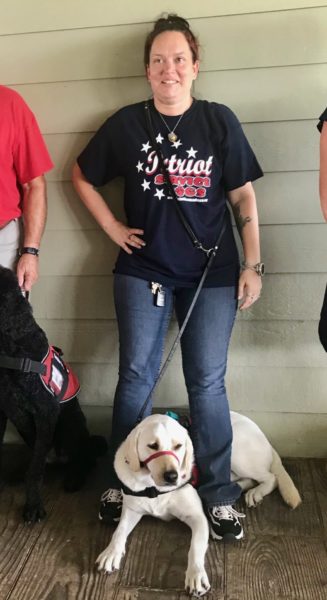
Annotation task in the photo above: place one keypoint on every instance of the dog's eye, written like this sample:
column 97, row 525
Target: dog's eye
column 177, row 446
column 153, row 446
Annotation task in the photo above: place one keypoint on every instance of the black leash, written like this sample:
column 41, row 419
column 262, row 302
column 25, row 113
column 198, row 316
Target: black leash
column 196, row 243
column 211, row 253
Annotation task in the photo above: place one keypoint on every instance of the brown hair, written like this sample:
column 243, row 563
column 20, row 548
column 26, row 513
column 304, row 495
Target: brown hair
column 171, row 23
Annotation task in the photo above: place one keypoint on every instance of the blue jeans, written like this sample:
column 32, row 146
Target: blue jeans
column 204, row 345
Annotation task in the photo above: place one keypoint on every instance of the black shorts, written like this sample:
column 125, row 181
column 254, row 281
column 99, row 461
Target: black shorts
column 322, row 329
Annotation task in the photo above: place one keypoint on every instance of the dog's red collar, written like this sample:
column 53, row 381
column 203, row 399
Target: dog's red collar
column 160, row 453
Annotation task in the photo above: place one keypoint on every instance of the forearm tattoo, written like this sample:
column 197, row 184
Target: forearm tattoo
column 239, row 219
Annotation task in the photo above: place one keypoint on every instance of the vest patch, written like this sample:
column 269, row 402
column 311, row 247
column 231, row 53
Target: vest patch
column 59, row 379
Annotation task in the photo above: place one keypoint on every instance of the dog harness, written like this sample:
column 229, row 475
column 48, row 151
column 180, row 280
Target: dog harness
column 58, row 378
column 153, row 492
column 149, row 492
column 56, row 375
column 160, row 453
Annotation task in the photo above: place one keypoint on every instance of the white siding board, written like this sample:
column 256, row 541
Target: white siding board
column 282, row 245
column 64, row 149
column 284, row 38
column 288, row 297
column 39, row 15
column 279, row 146
column 285, row 93
column 294, row 434
column 91, row 252
column 276, row 343
column 289, row 197
column 67, row 212
column 260, row 344
column 279, row 38
column 74, row 297
column 267, row 94
column 77, row 253
column 297, row 390
column 283, row 198
column 285, row 146
column 291, row 434
column 75, row 106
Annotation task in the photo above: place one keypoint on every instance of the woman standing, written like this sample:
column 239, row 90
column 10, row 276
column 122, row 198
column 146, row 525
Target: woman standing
column 210, row 163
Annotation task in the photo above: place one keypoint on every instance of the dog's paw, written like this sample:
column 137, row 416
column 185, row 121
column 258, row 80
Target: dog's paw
column 109, row 560
column 33, row 513
column 253, row 498
column 196, row 581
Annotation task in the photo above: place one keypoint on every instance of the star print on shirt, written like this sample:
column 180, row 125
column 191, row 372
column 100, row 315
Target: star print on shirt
column 177, row 144
column 191, row 152
column 159, row 138
column 139, row 166
column 159, row 194
column 145, row 185
column 146, row 147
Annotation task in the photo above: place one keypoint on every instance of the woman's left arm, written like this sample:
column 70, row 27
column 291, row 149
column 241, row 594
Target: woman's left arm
column 244, row 206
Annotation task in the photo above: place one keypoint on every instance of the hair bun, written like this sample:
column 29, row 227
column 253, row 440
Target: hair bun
column 172, row 20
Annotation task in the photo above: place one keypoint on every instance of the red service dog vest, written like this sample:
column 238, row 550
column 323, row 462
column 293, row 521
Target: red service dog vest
column 59, row 379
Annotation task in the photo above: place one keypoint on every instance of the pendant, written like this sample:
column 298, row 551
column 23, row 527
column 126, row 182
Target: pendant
column 172, row 136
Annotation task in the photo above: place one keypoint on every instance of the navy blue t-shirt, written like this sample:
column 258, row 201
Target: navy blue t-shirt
column 322, row 118
column 210, row 157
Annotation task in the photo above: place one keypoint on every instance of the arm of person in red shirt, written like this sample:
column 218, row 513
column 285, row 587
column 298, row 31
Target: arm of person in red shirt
column 323, row 171
column 34, row 218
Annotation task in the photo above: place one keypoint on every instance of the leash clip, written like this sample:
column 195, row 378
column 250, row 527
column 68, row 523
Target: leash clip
column 207, row 251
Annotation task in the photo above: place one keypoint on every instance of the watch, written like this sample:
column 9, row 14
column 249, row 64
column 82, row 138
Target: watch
column 29, row 250
column 258, row 268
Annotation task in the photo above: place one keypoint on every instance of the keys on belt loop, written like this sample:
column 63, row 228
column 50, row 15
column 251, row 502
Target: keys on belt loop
column 158, row 294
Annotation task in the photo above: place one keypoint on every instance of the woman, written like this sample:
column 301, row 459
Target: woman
column 322, row 329
column 209, row 161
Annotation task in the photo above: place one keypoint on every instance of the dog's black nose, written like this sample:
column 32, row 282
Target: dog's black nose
column 170, row 476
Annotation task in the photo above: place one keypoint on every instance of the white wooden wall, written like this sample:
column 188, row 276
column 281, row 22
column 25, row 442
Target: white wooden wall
column 75, row 62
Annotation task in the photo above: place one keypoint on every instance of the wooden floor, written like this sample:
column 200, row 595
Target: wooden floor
column 283, row 555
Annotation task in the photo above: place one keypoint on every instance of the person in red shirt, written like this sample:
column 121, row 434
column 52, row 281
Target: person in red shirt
column 23, row 207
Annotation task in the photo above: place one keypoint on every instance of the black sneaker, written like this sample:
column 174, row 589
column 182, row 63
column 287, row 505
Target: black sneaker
column 224, row 523
column 111, row 503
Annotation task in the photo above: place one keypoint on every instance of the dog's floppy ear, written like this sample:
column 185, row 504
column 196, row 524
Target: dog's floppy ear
column 188, row 457
column 130, row 450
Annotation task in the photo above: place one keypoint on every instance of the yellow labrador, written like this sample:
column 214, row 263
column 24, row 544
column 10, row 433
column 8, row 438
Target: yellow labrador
column 157, row 456
column 256, row 466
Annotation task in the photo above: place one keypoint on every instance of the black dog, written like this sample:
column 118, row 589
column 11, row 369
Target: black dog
column 36, row 412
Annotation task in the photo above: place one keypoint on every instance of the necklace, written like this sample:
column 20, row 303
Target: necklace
column 171, row 135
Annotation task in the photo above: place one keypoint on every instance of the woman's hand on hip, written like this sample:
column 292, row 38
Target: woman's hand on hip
column 125, row 236
column 249, row 288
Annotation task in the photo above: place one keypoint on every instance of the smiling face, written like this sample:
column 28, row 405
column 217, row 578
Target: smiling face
column 171, row 71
